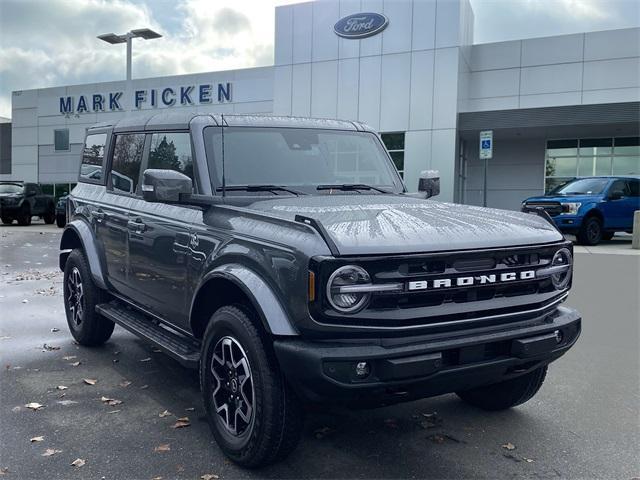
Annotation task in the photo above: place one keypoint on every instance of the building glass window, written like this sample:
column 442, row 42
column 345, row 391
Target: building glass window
column 61, row 139
column 567, row 159
column 395, row 146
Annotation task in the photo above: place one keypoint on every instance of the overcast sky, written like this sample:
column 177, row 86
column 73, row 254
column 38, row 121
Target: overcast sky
column 45, row 43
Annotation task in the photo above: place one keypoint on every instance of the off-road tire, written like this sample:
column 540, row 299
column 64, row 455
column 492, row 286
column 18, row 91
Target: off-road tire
column 277, row 412
column 24, row 217
column 61, row 221
column 7, row 220
column 507, row 394
column 590, row 232
column 50, row 215
column 92, row 329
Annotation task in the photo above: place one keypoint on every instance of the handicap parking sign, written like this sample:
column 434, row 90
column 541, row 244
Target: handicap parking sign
column 486, row 144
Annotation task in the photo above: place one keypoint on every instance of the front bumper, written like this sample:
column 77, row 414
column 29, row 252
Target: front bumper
column 418, row 367
column 568, row 223
column 12, row 209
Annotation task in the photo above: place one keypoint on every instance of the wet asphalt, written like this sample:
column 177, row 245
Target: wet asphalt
column 584, row 423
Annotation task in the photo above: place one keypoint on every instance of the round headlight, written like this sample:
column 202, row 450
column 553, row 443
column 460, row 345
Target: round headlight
column 342, row 288
column 562, row 258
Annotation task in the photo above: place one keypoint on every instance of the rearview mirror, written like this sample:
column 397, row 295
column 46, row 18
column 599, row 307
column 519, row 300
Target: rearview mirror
column 159, row 185
column 429, row 183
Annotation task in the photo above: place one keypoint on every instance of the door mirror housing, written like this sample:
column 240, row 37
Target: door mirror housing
column 429, row 183
column 165, row 186
column 616, row 195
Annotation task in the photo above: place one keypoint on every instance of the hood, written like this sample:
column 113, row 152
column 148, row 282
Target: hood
column 393, row 224
column 565, row 198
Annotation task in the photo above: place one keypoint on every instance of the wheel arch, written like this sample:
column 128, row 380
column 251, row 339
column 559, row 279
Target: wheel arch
column 236, row 284
column 77, row 234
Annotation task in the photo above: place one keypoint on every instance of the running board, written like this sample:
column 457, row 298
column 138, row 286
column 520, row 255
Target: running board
column 183, row 349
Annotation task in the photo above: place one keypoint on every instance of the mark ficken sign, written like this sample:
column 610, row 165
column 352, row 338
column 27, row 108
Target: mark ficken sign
column 203, row 94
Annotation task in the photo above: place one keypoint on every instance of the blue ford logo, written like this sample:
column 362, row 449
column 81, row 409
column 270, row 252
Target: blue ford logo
column 360, row 25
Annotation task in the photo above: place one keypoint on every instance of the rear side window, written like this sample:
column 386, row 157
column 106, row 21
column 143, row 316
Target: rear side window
column 92, row 168
column 171, row 151
column 127, row 159
column 634, row 188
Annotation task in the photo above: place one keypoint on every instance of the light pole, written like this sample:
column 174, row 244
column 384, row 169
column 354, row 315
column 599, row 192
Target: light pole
column 127, row 38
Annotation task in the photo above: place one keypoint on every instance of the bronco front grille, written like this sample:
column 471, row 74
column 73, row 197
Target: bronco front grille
column 432, row 306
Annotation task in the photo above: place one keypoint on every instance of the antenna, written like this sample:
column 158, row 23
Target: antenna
column 224, row 180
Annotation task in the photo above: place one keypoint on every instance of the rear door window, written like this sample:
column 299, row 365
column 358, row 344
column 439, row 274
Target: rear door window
column 92, row 167
column 172, row 151
column 127, row 160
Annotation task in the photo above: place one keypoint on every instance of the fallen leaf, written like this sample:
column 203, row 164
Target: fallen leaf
column 437, row 438
column 89, row 381
column 190, row 409
column 114, row 411
column 111, row 401
column 5, row 337
column 54, row 330
column 528, row 460
column 116, row 353
column 156, row 350
column 69, row 357
column 49, row 348
column 165, row 447
column 4, row 471
column 148, row 359
column 181, row 423
column 209, row 476
column 115, row 360
column 25, row 301
column 144, row 387
column 34, row 406
column 166, row 413
column 78, row 462
column 75, row 364
column 66, row 403
column 509, row 446
column 320, row 433
column 124, row 384
column 50, row 451
column 156, row 478
column 36, row 439
column 16, row 409
column 62, row 387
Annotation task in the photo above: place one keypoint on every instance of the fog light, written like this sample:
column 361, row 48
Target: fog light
column 362, row 369
column 558, row 335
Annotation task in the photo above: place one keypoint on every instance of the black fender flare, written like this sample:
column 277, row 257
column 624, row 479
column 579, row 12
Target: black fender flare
column 78, row 230
column 273, row 316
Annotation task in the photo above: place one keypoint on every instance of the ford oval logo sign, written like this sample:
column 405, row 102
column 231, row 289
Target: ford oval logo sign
column 360, row 25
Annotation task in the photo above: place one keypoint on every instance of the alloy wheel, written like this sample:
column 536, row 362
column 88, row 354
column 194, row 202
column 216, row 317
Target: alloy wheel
column 233, row 390
column 75, row 297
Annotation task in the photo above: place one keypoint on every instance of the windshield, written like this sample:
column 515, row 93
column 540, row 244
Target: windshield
column 583, row 186
column 300, row 159
column 11, row 188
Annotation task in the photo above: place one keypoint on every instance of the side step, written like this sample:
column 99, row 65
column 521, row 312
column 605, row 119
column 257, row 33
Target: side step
column 183, row 349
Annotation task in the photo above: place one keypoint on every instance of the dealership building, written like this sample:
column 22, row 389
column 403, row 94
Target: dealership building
column 558, row 107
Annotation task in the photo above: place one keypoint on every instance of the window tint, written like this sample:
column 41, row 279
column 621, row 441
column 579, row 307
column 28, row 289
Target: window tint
column 127, row 159
column 93, row 158
column 634, row 188
column 61, row 139
column 619, row 186
column 171, row 151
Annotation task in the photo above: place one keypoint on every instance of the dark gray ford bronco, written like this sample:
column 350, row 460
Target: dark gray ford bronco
column 284, row 258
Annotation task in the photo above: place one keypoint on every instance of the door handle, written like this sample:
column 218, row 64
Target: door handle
column 98, row 214
column 137, row 226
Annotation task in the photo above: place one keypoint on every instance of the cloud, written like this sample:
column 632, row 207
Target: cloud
column 229, row 21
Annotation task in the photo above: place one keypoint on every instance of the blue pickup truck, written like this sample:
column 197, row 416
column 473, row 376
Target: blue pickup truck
column 592, row 208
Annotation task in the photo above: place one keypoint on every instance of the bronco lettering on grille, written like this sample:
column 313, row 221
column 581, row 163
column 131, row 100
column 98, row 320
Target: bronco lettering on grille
column 471, row 280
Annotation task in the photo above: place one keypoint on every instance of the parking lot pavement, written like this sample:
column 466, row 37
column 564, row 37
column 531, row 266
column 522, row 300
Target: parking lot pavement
column 584, row 423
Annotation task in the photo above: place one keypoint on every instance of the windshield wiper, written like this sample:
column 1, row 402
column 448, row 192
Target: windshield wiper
column 258, row 188
column 351, row 186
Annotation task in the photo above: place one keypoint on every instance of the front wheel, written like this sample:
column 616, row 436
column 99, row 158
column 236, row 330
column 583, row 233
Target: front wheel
column 6, row 220
column 253, row 414
column 507, row 394
column 61, row 221
column 81, row 296
column 590, row 232
column 24, row 217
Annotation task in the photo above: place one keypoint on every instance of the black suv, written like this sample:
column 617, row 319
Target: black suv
column 284, row 259
column 22, row 200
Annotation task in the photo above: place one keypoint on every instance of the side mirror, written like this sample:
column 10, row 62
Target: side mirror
column 616, row 195
column 159, row 185
column 429, row 183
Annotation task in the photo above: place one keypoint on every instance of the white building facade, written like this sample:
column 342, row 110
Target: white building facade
column 558, row 106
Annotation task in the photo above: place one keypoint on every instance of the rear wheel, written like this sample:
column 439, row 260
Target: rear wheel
column 253, row 414
column 24, row 217
column 7, row 220
column 50, row 216
column 81, row 296
column 590, row 232
column 507, row 394
column 61, row 221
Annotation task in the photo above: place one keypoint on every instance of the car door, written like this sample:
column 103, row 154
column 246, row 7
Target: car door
column 159, row 236
column 113, row 214
column 618, row 205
